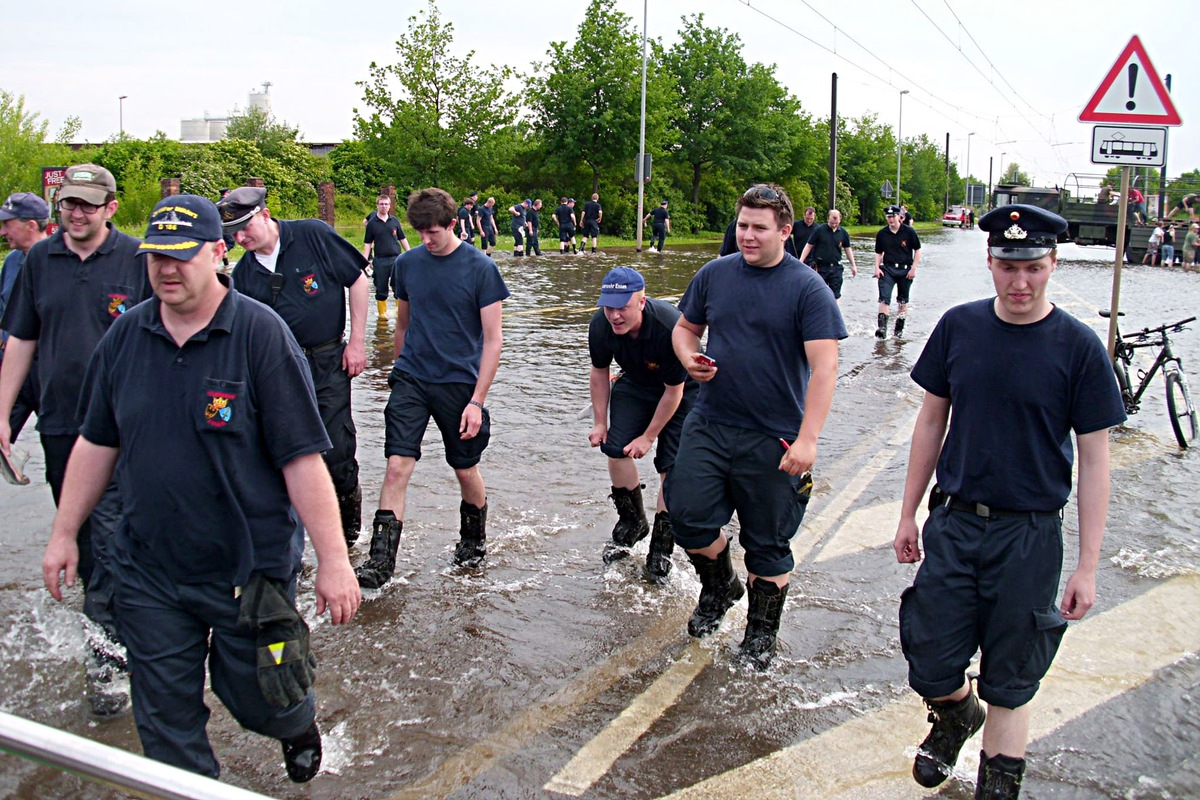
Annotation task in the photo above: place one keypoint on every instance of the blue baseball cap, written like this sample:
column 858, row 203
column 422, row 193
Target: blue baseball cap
column 180, row 225
column 24, row 205
column 620, row 284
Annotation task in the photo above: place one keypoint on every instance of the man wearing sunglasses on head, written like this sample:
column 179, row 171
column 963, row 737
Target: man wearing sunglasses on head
column 766, row 385
column 73, row 287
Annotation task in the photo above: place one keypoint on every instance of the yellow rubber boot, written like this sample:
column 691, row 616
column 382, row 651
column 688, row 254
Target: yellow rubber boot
column 381, row 305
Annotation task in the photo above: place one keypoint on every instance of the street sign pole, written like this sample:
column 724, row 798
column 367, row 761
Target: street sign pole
column 1114, row 304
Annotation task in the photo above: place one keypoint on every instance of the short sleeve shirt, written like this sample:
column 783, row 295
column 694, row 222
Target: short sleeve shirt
column 592, row 211
column 385, row 235
column 659, row 216
column 1016, row 392
column 827, row 244
column 487, row 217
column 67, row 305
column 535, row 219
column 444, row 340
column 801, row 231
column 204, row 431
column 648, row 360
column 464, row 221
column 758, row 322
column 317, row 265
column 897, row 248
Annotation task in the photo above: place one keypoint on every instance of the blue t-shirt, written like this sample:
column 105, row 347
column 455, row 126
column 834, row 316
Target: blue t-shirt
column 444, row 340
column 487, row 221
column 204, row 430
column 1016, row 392
column 758, row 321
column 8, row 281
column 317, row 265
column 648, row 360
column 67, row 305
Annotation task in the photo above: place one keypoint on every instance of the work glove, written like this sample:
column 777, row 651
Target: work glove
column 286, row 668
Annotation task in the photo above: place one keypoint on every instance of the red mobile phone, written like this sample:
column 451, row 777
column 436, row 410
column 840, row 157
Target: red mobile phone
column 706, row 361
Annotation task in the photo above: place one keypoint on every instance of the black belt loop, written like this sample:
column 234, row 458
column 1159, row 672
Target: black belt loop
column 321, row 348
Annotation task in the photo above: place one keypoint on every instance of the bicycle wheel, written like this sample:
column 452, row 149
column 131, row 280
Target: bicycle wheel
column 1180, row 408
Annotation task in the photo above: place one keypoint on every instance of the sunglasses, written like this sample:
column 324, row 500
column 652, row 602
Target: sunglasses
column 761, row 190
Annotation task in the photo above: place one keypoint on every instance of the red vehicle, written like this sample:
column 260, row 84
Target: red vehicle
column 955, row 216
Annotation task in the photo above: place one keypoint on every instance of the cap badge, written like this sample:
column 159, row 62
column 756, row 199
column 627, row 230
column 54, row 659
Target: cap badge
column 83, row 175
column 1015, row 231
column 171, row 221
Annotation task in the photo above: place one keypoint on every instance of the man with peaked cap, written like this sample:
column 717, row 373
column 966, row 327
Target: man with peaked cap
column 659, row 228
column 648, row 402
column 1006, row 380
column 73, row 287
column 24, row 218
column 203, row 403
column 304, row 270
column 897, row 254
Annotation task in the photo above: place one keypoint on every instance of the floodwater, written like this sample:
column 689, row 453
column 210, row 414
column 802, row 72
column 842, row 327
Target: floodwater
column 506, row 682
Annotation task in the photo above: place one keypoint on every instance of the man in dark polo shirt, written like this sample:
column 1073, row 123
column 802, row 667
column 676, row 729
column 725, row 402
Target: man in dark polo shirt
column 564, row 218
column 897, row 254
column 593, row 215
column 467, row 222
column 803, row 229
column 647, row 402
column 485, row 221
column 383, row 241
column 534, row 218
column 202, row 402
column 302, row 269
column 825, row 246
column 659, row 227
column 73, row 287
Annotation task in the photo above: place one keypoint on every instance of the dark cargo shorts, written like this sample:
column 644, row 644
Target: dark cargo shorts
column 409, row 407
column 630, row 409
column 897, row 277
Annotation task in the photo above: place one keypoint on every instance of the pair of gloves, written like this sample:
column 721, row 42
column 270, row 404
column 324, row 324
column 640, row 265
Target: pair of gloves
column 286, row 668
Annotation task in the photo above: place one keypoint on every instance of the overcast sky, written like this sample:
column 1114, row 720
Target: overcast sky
column 1015, row 75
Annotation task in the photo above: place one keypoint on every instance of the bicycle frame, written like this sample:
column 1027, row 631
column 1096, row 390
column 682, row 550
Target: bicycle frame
column 1124, row 351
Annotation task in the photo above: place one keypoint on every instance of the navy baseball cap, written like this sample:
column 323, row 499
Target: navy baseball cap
column 24, row 205
column 892, row 211
column 180, row 225
column 239, row 206
column 619, row 285
column 1021, row 232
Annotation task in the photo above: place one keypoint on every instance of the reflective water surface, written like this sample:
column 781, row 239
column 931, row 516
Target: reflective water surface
column 488, row 684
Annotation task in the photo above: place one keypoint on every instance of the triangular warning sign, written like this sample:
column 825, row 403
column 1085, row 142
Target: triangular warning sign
column 1132, row 93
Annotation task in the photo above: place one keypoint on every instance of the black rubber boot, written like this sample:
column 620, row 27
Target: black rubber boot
column 662, row 543
column 350, row 507
column 881, row 326
column 302, row 755
column 762, row 623
column 719, row 589
column 631, row 526
column 953, row 723
column 107, row 676
column 385, row 541
column 899, row 327
column 999, row 777
column 472, row 535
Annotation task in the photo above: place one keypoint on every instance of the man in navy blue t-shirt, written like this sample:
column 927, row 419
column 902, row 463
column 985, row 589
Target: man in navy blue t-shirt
column 766, row 385
column 447, row 344
column 202, row 402
column 1009, row 378
column 648, row 401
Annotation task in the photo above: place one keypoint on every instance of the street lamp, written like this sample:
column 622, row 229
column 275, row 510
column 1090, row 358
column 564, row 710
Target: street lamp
column 121, row 104
column 967, row 182
column 1002, row 155
column 899, row 129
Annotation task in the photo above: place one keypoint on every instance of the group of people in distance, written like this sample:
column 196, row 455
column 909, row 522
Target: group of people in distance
column 473, row 217
column 212, row 412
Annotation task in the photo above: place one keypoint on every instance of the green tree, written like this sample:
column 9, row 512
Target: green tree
column 260, row 126
column 431, row 118
column 866, row 158
column 1015, row 175
column 24, row 149
column 728, row 115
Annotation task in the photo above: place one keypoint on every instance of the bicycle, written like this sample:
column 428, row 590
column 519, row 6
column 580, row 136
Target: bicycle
column 1179, row 400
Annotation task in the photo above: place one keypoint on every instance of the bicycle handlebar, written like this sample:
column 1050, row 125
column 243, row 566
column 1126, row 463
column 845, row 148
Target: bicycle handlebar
column 1144, row 333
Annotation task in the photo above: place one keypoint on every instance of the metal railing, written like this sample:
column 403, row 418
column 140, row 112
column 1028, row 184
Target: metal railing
column 109, row 766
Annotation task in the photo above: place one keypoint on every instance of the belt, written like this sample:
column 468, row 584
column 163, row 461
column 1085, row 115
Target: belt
column 321, row 348
column 987, row 512
column 899, row 266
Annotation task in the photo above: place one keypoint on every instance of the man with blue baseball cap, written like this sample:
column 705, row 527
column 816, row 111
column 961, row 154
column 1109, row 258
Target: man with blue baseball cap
column 648, row 401
column 24, row 218
column 1007, row 379
column 202, row 401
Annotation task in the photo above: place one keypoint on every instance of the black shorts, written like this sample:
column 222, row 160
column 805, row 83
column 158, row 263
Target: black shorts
column 518, row 234
column 630, row 409
column 406, row 417
column 832, row 275
column 987, row 585
column 894, row 276
column 591, row 228
column 566, row 234
column 488, row 238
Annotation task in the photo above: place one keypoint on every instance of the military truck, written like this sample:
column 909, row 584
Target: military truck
column 1090, row 221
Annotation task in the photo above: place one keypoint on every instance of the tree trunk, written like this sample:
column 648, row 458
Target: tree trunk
column 695, row 184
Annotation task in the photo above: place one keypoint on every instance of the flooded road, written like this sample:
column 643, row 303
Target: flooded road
column 545, row 674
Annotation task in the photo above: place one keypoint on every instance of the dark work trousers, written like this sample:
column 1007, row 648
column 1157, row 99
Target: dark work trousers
column 658, row 236
column 333, row 400
column 535, row 244
column 26, row 403
column 383, row 274
column 171, row 630
column 95, row 535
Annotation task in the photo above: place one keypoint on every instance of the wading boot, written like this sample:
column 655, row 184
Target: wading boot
column 881, row 326
column 899, row 327
column 107, row 676
column 350, row 508
column 385, row 541
column 999, row 777
column 472, row 535
column 662, row 542
column 953, row 723
column 719, row 589
column 631, row 526
column 762, row 623
column 302, row 755
column 381, row 307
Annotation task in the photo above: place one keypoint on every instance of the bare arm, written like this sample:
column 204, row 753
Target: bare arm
column 1080, row 593
column 311, row 491
column 89, row 470
column 850, row 255
column 912, row 271
column 600, row 389
column 489, row 362
column 822, row 360
column 927, row 441
column 685, row 339
column 18, row 359
column 354, row 359
column 804, row 255
column 667, row 404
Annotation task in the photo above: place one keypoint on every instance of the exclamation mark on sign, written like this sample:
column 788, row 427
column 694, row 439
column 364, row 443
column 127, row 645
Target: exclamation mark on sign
column 1133, row 73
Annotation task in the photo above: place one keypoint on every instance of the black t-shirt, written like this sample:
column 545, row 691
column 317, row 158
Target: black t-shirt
column 565, row 216
column 464, row 222
column 385, row 235
column 897, row 248
column 649, row 360
column 827, row 244
column 801, row 231
column 487, row 221
column 659, row 217
column 591, row 211
column 535, row 219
